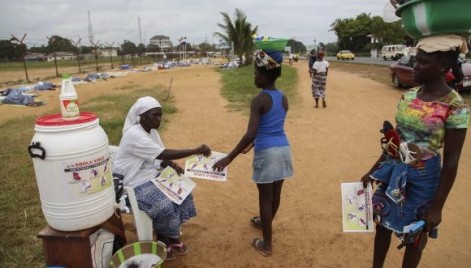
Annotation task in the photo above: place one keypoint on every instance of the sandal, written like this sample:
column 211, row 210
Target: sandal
column 170, row 254
column 257, row 243
column 179, row 249
column 256, row 222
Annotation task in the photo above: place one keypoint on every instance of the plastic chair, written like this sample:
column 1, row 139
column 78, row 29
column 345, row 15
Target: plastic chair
column 142, row 221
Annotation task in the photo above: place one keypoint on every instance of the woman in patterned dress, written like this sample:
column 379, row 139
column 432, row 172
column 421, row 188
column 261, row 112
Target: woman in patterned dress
column 433, row 117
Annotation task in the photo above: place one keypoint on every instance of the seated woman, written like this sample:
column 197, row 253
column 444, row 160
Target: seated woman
column 140, row 157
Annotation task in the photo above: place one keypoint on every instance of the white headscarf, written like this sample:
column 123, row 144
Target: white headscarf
column 141, row 106
column 445, row 42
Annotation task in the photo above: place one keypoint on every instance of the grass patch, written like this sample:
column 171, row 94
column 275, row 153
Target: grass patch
column 239, row 88
column 22, row 217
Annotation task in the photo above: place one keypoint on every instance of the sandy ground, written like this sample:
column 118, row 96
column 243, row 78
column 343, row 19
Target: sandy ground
column 330, row 146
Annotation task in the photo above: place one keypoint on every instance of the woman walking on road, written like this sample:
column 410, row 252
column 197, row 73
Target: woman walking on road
column 319, row 78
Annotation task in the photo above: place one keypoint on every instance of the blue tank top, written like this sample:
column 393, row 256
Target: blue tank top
column 270, row 131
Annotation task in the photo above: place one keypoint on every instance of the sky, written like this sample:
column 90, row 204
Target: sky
column 114, row 21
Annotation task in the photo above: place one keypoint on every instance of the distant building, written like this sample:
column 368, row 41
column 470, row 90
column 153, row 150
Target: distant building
column 61, row 56
column 106, row 52
column 223, row 45
column 161, row 40
column 34, row 56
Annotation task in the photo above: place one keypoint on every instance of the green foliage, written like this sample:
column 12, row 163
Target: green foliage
column 239, row 88
column 353, row 33
column 20, row 205
column 206, row 47
column 296, row 46
column 8, row 50
column 57, row 43
column 128, row 47
column 332, row 48
column 238, row 32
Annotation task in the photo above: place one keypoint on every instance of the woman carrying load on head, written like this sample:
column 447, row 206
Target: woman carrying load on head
column 272, row 161
column 430, row 118
column 140, row 158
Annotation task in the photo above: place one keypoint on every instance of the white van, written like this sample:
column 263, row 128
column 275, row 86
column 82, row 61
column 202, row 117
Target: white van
column 393, row 52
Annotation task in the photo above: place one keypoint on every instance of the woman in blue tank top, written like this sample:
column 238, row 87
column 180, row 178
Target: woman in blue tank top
column 272, row 153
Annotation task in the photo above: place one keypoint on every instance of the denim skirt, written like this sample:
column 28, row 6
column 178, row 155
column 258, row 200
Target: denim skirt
column 272, row 164
column 421, row 186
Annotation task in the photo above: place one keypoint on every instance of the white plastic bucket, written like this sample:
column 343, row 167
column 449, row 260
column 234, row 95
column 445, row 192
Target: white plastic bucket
column 71, row 162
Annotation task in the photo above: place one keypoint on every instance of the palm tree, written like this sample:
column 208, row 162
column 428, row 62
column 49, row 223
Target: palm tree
column 239, row 34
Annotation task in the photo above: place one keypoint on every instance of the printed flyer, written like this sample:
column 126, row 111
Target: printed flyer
column 174, row 186
column 357, row 210
column 201, row 167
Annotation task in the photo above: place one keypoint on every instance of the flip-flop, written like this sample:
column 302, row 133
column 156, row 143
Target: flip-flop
column 179, row 249
column 257, row 243
column 256, row 222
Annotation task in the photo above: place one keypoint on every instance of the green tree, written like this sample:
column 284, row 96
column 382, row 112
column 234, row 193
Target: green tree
column 141, row 48
column 9, row 51
column 389, row 33
column 58, row 43
column 296, row 46
column 238, row 32
column 206, row 47
column 331, row 48
column 128, row 47
column 353, row 33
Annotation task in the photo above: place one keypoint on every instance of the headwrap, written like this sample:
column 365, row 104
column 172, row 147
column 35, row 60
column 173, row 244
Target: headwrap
column 262, row 59
column 141, row 106
column 443, row 43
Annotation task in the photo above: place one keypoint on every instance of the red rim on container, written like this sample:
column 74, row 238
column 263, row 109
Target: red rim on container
column 57, row 120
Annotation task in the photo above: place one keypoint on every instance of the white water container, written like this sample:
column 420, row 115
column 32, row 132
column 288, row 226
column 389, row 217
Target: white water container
column 69, row 99
column 71, row 162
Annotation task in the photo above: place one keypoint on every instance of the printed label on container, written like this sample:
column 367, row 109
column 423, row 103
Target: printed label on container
column 71, row 107
column 88, row 176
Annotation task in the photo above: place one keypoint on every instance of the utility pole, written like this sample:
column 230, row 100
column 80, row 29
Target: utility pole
column 110, row 47
column 90, row 29
column 52, row 40
column 23, row 51
column 79, row 48
column 91, row 38
column 96, row 45
column 140, row 37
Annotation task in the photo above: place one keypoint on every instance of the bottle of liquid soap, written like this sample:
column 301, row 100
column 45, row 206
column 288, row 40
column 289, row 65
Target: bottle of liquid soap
column 69, row 99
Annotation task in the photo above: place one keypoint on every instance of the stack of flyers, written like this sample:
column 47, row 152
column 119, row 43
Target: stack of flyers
column 174, row 186
column 201, row 167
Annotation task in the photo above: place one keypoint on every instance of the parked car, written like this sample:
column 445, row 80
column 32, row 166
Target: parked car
column 401, row 74
column 345, row 55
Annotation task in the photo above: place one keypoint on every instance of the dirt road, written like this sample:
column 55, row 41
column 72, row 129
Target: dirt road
column 330, row 146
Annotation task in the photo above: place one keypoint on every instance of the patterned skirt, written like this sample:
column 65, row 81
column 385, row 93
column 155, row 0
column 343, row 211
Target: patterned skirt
column 319, row 81
column 166, row 215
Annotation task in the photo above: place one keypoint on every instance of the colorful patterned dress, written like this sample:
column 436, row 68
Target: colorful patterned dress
column 422, row 123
